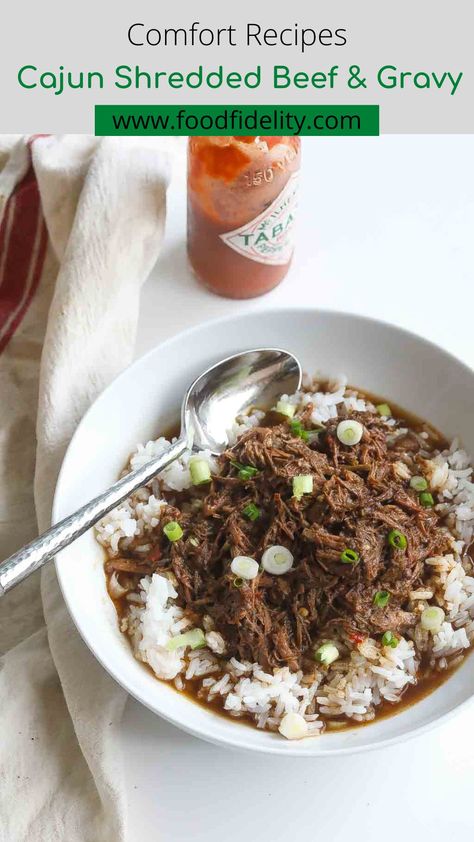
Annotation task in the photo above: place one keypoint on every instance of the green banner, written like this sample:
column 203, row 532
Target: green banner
column 314, row 120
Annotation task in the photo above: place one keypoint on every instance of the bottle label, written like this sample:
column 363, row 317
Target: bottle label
column 269, row 237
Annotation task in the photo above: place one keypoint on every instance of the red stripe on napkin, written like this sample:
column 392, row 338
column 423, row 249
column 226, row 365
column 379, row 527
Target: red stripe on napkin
column 23, row 241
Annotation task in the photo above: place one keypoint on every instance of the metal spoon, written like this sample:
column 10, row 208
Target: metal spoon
column 210, row 406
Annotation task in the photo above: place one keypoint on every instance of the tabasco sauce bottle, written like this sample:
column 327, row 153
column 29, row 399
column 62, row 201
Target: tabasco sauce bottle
column 242, row 200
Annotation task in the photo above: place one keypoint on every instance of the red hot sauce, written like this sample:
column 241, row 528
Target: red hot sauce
column 242, row 199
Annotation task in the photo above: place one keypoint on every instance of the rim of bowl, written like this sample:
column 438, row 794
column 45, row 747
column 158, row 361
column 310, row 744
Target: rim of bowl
column 286, row 748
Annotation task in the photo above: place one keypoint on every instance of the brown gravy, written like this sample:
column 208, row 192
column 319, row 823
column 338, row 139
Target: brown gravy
column 427, row 681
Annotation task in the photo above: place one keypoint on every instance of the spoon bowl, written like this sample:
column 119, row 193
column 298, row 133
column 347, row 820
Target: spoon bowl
column 209, row 408
column 231, row 387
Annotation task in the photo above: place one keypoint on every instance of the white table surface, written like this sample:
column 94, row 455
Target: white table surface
column 386, row 229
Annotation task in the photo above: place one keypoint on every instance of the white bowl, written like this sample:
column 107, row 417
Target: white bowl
column 145, row 399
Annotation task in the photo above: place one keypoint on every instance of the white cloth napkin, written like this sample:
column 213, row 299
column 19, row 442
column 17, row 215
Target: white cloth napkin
column 103, row 202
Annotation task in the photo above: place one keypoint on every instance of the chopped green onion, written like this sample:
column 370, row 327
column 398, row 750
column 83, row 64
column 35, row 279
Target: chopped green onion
column 381, row 598
column 418, row 483
column 397, row 539
column 245, row 471
column 251, row 511
column 194, row 638
column 326, row 654
column 277, row 560
column 244, row 567
column 200, row 471
column 426, row 499
column 349, row 556
column 285, row 408
column 238, row 582
column 384, row 409
column 389, row 639
column 194, row 541
column 297, row 429
column 302, row 484
column 432, row 619
column 349, row 432
column 173, row 530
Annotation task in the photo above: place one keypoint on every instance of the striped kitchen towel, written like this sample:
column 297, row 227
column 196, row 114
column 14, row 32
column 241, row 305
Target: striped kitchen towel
column 81, row 225
column 23, row 240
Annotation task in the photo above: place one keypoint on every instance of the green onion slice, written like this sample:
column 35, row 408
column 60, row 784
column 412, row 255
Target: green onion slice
column 173, row 530
column 194, row 638
column 238, row 582
column 349, row 556
column 251, row 511
column 285, row 408
column 245, row 471
column 277, row 560
column 432, row 619
column 302, row 484
column 244, row 567
column 200, row 471
column 326, row 654
column 349, row 432
column 426, row 499
column 418, row 483
column 389, row 639
column 297, row 429
column 397, row 539
column 381, row 598
column 384, row 409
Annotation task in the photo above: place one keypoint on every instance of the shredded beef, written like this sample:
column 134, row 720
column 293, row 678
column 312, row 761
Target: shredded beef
column 357, row 498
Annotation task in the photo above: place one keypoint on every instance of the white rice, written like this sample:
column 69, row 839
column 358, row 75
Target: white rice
column 176, row 477
column 155, row 624
column 369, row 673
column 450, row 475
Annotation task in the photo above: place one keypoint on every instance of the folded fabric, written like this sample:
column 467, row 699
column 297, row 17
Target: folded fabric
column 81, row 225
